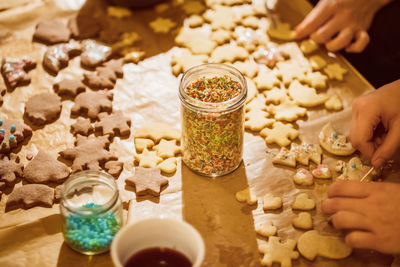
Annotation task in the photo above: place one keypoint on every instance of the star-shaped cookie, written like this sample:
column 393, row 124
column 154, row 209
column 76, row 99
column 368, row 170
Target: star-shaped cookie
column 148, row 159
column 167, row 149
column 147, row 181
column 115, row 124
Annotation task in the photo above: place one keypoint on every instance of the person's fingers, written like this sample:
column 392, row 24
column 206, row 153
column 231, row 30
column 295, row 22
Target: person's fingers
column 361, row 42
column 361, row 239
column 333, row 205
column 389, row 147
column 353, row 189
column 350, row 220
column 317, row 17
column 327, row 31
column 341, row 41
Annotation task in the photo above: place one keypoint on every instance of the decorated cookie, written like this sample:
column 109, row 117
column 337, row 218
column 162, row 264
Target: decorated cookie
column 89, row 153
column 45, row 168
column 221, row 17
column 266, row 79
column 334, row 103
column 31, row 195
column 168, row 166
column 142, row 143
column 308, row 46
column 56, row 57
column 114, row 124
column 306, row 152
column 228, row 53
column 322, row 171
column 266, row 228
column 303, row 221
column 43, row 108
column 281, row 134
column 271, row 202
column 291, row 70
column 157, row 131
column 183, row 60
column 14, row 71
column 90, row 104
column 333, row 142
column 335, row 71
column 82, row 126
column 147, row 181
column 340, row 165
column 303, row 177
column 196, row 40
column 162, row 25
column 69, row 87
column 303, row 202
column 270, row 54
column 12, row 132
column 51, row 32
column 276, row 251
column 193, row 7
column 305, row 96
column 94, row 53
column 167, row 148
column 83, row 26
column 281, row 31
column 247, row 196
column 250, row 39
column 275, row 95
column 316, row 80
column 248, row 68
column 288, row 111
column 311, row 244
column 317, row 62
column 284, row 157
column 221, row 36
column 355, row 170
column 148, row 159
column 10, row 169
column 114, row 167
column 103, row 78
column 118, row 12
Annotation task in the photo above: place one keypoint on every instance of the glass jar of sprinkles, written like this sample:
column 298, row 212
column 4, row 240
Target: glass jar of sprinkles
column 212, row 112
column 91, row 211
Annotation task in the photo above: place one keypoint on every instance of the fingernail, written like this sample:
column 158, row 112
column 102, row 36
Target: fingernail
column 378, row 163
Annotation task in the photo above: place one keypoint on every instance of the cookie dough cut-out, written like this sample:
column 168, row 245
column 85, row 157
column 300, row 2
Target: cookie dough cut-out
column 114, row 124
column 303, row 202
column 303, row 221
column 31, row 195
column 271, row 202
column 184, row 60
column 10, row 169
column 167, row 149
column 228, row 53
column 333, row 142
column 355, row 170
column 43, row 108
column 335, row 71
column 221, row 36
column 266, row 228
column 284, row 157
column 303, row 177
column 148, row 159
column 114, row 167
column 51, row 32
column 276, row 251
column 305, row 96
column 196, row 40
column 162, row 25
column 334, row 103
column 156, row 131
column 90, row 104
column 291, row 70
column 266, row 80
column 248, row 68
column 142, row 143
column 221, row 17
column 247, row 196
column 281, row 134
column 147, row 181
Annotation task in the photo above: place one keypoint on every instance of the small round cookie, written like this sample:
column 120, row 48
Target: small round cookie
column 43, row 108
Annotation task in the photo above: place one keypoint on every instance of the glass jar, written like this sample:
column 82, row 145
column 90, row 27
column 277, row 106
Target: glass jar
column 213, row 118
column 91, row 211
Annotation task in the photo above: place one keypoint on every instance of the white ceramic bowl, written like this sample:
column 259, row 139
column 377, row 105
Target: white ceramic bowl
column 157, row 232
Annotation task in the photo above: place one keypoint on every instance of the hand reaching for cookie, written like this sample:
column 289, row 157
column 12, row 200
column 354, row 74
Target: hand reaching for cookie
column 381, row 107
column 369, row 211
column 340, row 24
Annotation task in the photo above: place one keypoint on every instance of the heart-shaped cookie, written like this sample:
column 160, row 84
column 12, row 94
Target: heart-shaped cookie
column 303, row 202
column 271, row 202
column 303, row 221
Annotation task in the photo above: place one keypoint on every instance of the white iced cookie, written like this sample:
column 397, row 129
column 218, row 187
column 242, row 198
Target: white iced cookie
column 305, row 96
column 303, row 177
column 308, row 46
column 247, row 196
column 334, row 103
column 306, row 152
column 303, row 221
column 271, row 202
column 333, row 142
column 266, row 228
column 355, row 170
column 285, row 157
column 322, row 171
column 303, row 202
column 311, row 244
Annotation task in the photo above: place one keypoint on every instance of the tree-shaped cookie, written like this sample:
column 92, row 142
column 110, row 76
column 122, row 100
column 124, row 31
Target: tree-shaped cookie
column 305, row 96
column 334, row 103
column 284, row 157
column 90, row 104
column 89, row 153
column 148, row 159
column 10, row 169
column 114, row 124
column 276, row 251
column 31, row 195
column 43, row 108
column 281, row 134
column 147, row 181
column 156, row 131
column 183, row 60
column 12, row 132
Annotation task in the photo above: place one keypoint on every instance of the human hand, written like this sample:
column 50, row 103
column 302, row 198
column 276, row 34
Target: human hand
column 369, row 211
column 379, row 107
column 340, row 24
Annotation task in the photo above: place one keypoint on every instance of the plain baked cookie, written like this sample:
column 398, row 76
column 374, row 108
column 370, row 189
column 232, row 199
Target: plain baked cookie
column 43, row 108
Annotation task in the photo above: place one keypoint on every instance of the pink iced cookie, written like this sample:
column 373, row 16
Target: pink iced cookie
column 322, row 171
column 303, row 177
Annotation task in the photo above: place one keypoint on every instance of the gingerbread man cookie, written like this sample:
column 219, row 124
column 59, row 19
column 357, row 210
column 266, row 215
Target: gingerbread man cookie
column 284, row 157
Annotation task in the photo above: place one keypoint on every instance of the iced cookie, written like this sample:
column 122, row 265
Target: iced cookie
column 45, row 168
column 184, row 60
column 89, row 153
column 196, row 40
column 156, row 131
column 305, row 96
column 288, row 111
column 266, row 228
column 31, row 195
column 335, row 71
column 94, row 53
column 142, row 143
column 167, row 148
column 271, row 202
column 51, row 32
column 282, row 32
column 147, row 181
column 281, row 134
column 303, row 202
column 308, row 46
column 322, row 172
column 12, row 133
column 90, row 104
column 228, row 53
column 168, row 165
column 355, row 170
column 193, row 7
column 114, row 124
column 275, row 95
column 248, row 68
column 162, row 25
column 291, row 70
column 303, row 177
column 221, row 17
column 43, row 108
column 247, row 196
column 148, row 159
column 82, row 126
column 114, row 167
column 317, row 62
column 280, row 252
column 303, row 221
column 311, row 244
column 69, row 87
column 56, row 57
column 266, row 79
column 284, row 157
column 15, row 71
column 316, row 80
column 306, row 152
column 333, row 142
column 334, row 103
column 83, row 26
column 269, row 54
column 10, row 169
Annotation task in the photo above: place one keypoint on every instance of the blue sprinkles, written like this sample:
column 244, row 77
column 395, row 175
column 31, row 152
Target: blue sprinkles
column 334, row 135
column 353, row 166
column 2, row 131
column 93, row 232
